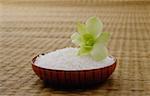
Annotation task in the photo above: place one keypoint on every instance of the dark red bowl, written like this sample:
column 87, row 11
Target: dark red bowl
column 73, row 78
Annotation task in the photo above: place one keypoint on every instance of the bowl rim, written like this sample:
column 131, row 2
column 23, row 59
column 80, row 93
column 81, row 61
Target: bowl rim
column 60, row 70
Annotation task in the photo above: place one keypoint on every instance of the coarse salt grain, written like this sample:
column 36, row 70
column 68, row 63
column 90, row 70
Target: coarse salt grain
column 67, row 59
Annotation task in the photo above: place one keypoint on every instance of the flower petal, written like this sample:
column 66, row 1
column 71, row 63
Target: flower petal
column 81, row 28
column 76, row 38
column 84, row 50
column 99, row 52
column 94, row 26
column 103, row 38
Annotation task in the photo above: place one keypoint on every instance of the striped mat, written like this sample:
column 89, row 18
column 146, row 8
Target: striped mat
column 30, row 28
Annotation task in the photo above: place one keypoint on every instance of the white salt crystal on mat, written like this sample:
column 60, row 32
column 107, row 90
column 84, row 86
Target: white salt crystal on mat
column 66, row 59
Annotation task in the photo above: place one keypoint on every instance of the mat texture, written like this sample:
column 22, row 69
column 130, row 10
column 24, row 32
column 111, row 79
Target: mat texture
column 30, row 28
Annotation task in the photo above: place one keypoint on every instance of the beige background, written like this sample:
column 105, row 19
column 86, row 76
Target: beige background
column 31, row 28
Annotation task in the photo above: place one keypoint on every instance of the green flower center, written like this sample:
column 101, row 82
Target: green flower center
column 88, row 40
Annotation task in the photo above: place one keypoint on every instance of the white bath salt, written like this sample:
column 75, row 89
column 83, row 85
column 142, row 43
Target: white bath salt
column 67, row 59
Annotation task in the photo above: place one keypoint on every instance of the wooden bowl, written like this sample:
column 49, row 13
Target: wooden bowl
column 73, row 78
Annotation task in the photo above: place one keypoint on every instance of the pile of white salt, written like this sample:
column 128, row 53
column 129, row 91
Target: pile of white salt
column 67, row 59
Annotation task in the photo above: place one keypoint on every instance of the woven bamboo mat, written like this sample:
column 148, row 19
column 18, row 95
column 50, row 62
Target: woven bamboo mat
column 28, row 29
